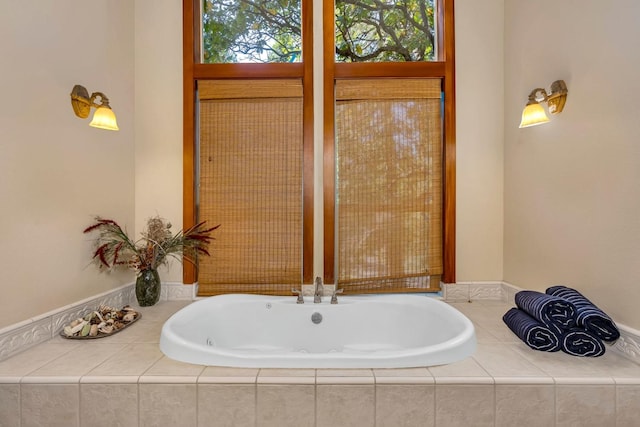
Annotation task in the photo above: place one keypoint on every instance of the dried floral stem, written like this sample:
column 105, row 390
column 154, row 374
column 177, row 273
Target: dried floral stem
column 157, row 244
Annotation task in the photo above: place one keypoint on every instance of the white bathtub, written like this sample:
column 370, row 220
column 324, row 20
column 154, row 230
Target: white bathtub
column 372, row 331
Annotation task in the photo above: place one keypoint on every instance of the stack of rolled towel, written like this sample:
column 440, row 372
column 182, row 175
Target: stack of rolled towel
column 561, row 319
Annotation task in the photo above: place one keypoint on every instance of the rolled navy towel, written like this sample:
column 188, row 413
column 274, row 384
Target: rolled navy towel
column 588, row 315
column 530, row 331
column 580, row 342
column 555, row 313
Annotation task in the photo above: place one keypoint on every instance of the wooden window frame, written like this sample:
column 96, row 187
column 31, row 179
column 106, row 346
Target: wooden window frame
column 444, row 68
column 193, row 71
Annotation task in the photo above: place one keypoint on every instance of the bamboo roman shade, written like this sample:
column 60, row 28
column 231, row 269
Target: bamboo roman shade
column 389, row 185
column 250, row 182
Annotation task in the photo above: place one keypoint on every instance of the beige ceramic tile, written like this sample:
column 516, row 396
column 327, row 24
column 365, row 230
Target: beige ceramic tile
column 167, row 405
column 459, row 405
column 277, row 372
column 287, row 376
column 51, row 405
column 9, row 405
column 344, row 376
column 627, row 381
column 345, row 405
column 405, row 405
column 51, row 379
column 161, row 311
column 108, row 405
column 286, row 405
column 81, row 360
column 457, row 293
column 499, row 304
column 226, row 405
column 465, row 307
column 585, row 405
column 167, row 367
column 627, row 405
column 110, row 379
column 403, row 376
column 502, row 333
column 224, row 375
column 143, row 331
column 499, row 360
column 344, row 373
column 34, row 358
column 562, row 365
column 133, row 359
column 584, row 381
column 484, row 336
column 483, row 316
column 466, row 371
column 525, row 405
column 619, row 366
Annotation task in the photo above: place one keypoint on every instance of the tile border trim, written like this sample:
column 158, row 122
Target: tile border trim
column 21, row 336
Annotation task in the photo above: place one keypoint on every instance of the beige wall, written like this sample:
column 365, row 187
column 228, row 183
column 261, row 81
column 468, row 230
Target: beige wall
column 572, row 198
column 158, row 125
column 479, row 139
column 56, row 172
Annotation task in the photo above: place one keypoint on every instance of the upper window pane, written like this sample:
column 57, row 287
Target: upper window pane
column 251, row 31
column 385, row 30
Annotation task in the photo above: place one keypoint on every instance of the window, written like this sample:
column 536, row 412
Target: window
column 207, row 67
column 393, row 31
column 250, row 180
column 441, row 66
column 241, row 40
column 251, row 31
column 389, row 185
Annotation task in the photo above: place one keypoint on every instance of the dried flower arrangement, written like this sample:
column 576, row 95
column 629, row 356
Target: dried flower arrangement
column 157, row 244
column 114, row 248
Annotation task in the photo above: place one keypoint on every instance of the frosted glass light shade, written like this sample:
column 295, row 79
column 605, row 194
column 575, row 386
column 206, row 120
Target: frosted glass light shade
column 533, row 114
column 104, row 118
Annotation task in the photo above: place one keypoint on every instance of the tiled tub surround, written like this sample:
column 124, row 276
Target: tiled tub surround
column 126, row 380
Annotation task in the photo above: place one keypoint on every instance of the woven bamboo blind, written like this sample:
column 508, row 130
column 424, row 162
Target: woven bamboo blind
column 389, row 184
column 250, row 182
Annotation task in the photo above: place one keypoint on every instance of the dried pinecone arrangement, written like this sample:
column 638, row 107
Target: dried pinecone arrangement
column 100, row 323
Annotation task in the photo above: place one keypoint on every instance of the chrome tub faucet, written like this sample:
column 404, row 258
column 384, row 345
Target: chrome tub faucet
column 299, row 300
column 319, row 290
column 334, row 296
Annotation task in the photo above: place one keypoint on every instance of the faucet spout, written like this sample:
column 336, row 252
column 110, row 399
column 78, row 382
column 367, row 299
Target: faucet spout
column 319, row 290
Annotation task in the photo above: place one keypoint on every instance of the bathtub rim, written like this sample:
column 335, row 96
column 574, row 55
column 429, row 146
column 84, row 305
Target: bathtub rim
column 178, row 348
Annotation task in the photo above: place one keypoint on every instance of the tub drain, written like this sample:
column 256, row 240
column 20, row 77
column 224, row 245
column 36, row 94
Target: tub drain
column 316, row 318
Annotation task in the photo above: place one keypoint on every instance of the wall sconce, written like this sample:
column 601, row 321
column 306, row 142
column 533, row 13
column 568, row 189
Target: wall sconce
column 103, row 118
column 533, row 113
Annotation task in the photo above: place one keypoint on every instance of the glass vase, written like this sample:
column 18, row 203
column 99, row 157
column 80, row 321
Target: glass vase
column 148, row 287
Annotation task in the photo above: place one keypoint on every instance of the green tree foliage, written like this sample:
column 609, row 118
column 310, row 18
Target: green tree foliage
column 251, row 31
column 270, row 31
column 375, row 31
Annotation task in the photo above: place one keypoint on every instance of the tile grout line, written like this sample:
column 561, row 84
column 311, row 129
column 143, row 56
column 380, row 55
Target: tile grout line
column 79, row 416
column 615, row 404
column 20, row 402
column 255, row 399
column 375, row 398
column 197, row 402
